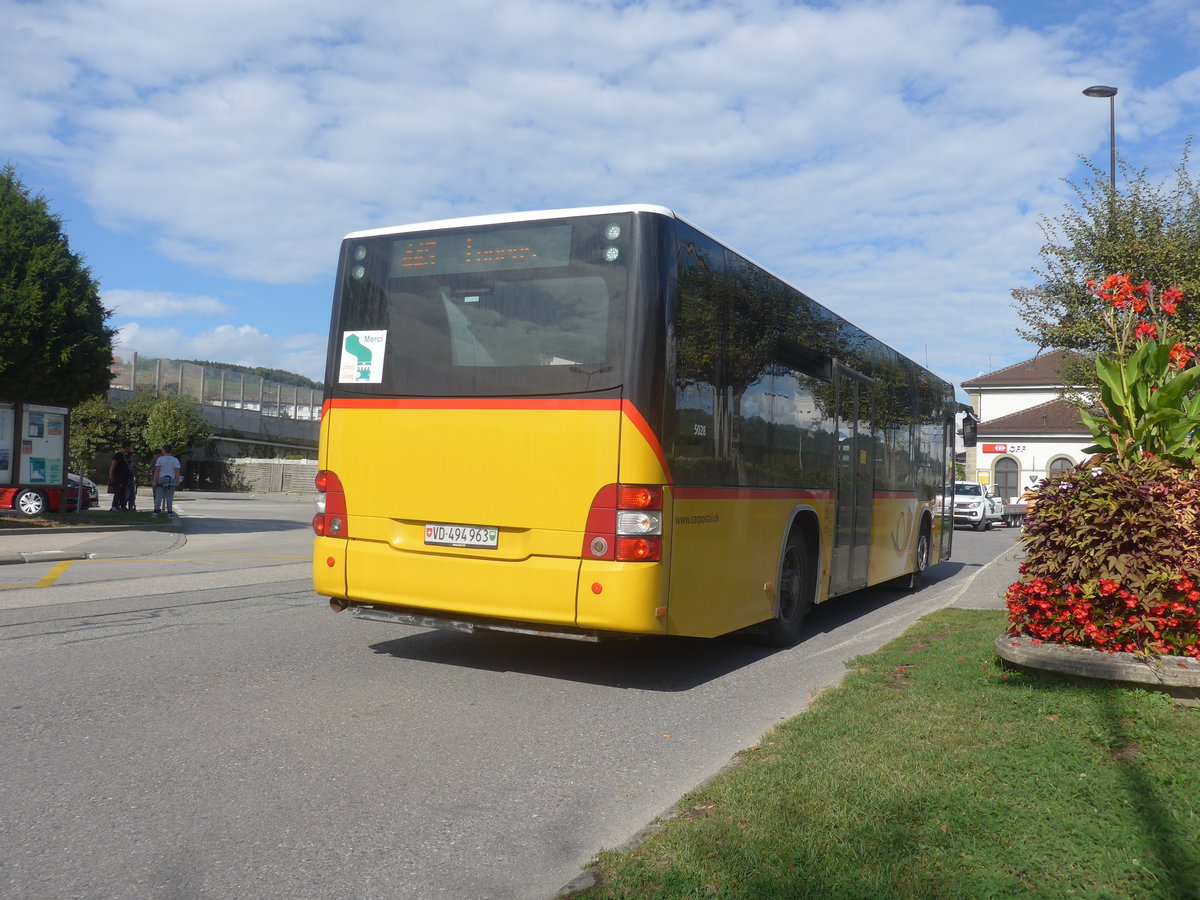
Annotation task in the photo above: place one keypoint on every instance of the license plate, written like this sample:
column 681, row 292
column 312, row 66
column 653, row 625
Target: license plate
column 461, row 535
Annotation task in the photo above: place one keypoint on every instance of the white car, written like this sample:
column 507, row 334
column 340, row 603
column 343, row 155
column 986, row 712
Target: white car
column 976, row 505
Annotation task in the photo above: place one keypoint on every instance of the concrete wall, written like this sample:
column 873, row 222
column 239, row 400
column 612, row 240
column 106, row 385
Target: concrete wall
column 285, row 434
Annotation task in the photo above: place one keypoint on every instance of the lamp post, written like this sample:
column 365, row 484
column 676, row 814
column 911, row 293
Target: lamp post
column 1101, row 90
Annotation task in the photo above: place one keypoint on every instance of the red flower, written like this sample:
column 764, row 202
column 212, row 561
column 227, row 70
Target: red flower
column 1170, row 297
column 1146, row 330
column 1181, row 355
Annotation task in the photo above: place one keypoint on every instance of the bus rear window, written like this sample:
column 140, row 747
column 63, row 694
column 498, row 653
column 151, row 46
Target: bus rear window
column 529, row 309
column 539, row 322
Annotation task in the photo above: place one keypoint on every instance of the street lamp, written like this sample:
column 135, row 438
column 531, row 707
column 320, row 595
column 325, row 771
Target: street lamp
column 1101, row 90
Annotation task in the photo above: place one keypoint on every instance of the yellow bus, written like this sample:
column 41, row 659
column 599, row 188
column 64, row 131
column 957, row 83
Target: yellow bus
column 603, row 421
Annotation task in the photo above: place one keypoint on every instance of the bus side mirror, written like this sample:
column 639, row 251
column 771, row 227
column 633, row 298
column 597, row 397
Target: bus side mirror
column 969, row 432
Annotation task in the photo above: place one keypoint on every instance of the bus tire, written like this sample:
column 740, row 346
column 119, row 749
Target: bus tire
column 921, row 556
column 796, row 585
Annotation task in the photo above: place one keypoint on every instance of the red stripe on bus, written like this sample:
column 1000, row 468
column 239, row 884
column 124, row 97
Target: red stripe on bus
column 648, row 435
column 471, row 403
column 750, row 493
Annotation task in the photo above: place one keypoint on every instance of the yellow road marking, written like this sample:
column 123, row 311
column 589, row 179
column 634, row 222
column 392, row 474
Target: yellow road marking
column 53, row 575
column 46, row 580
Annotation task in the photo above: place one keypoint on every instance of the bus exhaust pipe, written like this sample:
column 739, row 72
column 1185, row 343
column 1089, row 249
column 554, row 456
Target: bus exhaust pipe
column 337, row 605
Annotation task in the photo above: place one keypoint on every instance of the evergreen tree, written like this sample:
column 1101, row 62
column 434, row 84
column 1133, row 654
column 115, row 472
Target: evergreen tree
column 54, row 344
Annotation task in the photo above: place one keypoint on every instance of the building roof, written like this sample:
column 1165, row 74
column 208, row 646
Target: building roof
column 1043, row 370
column 1051, row 417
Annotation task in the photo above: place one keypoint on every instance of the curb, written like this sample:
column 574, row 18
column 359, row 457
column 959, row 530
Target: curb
column 88, row 529
column 36, row 556
column 1178, row 676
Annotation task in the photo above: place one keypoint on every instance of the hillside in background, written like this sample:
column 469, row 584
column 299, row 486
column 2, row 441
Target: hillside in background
column 279, row 376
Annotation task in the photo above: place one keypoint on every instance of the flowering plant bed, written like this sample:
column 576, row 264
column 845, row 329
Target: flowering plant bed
column 1108, row 617
column 1113, row 545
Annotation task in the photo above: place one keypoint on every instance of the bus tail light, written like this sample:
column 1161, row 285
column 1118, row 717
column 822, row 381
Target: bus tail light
column 330, row 520
column 625, row 523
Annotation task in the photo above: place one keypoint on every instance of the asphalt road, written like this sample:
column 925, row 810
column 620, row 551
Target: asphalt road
column 199, row 725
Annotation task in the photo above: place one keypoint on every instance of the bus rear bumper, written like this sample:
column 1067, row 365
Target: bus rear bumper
column 542, row 595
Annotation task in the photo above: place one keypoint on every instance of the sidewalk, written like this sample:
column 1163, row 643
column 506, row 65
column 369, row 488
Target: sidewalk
column 51, row 544
column 985, row 589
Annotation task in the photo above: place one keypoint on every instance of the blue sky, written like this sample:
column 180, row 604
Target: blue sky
column 892, row 158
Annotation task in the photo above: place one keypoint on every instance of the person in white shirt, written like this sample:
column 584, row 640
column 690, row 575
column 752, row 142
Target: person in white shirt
column 164, row 479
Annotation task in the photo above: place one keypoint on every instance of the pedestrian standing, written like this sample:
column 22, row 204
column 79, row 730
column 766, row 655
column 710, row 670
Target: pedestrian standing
column 119, row 476
column 165, row 479
column 131, row 493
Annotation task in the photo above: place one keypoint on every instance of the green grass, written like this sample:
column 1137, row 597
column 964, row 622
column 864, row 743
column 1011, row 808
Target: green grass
column 934, row 772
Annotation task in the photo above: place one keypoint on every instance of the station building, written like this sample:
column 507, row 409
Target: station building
column 1026, row 431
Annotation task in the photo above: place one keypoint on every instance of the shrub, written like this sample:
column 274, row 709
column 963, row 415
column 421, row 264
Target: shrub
column 1113, row 553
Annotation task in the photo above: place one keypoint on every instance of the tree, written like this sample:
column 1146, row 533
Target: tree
column 132, row 415
column 54, row 344
column 174, row 422
column 98, row 428
column 1148, row 231
column 94, row 431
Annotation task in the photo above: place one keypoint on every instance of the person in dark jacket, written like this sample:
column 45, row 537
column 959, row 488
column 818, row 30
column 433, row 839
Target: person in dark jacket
column 120, row 475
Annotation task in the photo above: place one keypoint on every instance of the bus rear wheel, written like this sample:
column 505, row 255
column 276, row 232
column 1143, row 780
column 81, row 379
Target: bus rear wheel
column 796, row 584
column 921, row 555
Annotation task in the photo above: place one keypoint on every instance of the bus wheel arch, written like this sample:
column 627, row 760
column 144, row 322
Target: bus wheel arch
column 922, row 554
column 796, row 583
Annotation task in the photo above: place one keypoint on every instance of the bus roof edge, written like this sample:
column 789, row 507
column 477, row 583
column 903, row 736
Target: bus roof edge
column 529, row 216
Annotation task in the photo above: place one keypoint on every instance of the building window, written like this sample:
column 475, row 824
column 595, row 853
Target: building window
column 1059, row 464
column 1008, row 478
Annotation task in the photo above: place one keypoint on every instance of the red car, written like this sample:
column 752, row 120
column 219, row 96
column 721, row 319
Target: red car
column 33, row 501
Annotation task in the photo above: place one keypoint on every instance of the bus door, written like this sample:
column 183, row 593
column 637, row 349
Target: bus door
column 855, row 482
column 946, row 487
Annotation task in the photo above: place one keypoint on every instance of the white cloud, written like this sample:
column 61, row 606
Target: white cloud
column 881, row 154
column 241, row 345
column 160, row 304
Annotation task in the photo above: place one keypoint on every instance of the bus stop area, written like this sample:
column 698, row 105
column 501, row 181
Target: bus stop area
column 47, row 544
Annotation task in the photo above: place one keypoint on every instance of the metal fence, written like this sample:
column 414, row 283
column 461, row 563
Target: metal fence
column 213, row 386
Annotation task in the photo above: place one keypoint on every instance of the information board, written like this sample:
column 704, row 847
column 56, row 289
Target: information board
column 8, row 421
column 43, row 445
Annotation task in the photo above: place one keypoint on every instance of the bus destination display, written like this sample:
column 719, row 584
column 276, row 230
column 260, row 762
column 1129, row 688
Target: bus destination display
column 481, row 251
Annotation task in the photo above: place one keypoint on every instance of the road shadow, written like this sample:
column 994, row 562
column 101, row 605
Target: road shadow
column 664, row 664
column 216, row 525
column 842, row 611
column 667, row 664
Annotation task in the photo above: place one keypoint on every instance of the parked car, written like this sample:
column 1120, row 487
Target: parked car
column 976, row 505
column 33, row 501
column 91, row 496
